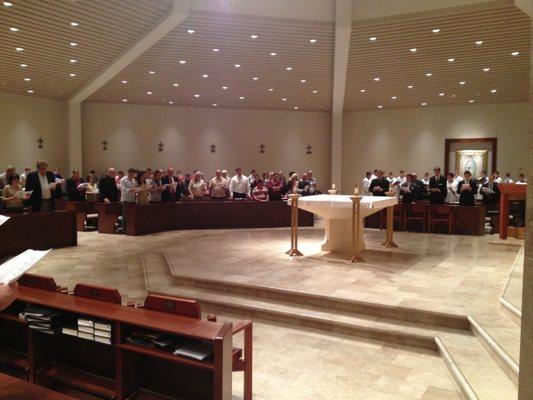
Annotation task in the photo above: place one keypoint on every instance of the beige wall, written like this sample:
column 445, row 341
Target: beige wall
column 413, row 139
column 23, row 119
column 133, row 132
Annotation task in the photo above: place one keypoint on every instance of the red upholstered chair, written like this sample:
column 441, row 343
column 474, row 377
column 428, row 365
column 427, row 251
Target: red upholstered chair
column 418, row 212
column 40, row 282
column 97, row 292
column 441, row 215
column 242, row 358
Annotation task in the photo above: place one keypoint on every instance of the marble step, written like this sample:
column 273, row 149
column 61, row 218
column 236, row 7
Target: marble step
column 476, row 373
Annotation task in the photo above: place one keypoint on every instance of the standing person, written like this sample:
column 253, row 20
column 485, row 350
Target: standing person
column 10, row 193
column 402, row 177
column 497, row 178
column 4, row 178
column 490, row 191
column 522, row 180
column 23, row 176
column 57, row 173
column 41, row 183
column 107, row 187
column 425, row 181
column 239, row 187
column 197, row 185
column 437, row 187
column 156, row 186
column 507, row 178
column 74, row 191
column 451, row 189
column 304, row 186
column 275, row 187
column 127, row 194
column 252, row 178
column 380, row 185
column 260, row 192
column 218, row 186
column 313, row 188
column 467, row 189
column 366, row 184
column 171, row 193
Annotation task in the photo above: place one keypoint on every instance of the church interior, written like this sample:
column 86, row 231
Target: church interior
column 270, row 200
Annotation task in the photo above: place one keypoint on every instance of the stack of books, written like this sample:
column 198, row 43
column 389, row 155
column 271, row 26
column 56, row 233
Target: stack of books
column 156, row 340
column 42, row 319
column 98, row 331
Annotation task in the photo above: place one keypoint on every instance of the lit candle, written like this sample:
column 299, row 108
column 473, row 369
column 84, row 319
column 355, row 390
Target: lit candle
column 356, row 188
column 333, row 186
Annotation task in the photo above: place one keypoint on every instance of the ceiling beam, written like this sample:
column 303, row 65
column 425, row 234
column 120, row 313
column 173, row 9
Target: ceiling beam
column 177, row 14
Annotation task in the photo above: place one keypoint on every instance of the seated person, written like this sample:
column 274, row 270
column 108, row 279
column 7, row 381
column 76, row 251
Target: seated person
column 197, row 185
column 467, row 190
column 218, row 186
column 75, row 189
column 490, row 191
column 275, row 187
column 260, row 191
column 10, row 192
column 379, row 186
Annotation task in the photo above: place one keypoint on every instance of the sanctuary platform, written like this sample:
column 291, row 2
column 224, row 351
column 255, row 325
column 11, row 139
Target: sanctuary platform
column 422, row 321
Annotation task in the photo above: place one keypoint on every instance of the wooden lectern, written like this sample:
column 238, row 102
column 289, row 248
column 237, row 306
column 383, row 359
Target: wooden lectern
column 508, row 192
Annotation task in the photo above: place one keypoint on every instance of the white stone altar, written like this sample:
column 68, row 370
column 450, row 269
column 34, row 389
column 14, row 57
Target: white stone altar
column 336, row 210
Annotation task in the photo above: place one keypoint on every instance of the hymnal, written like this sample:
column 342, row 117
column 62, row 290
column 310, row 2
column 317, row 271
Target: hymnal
column 69, row 331
column 85, row 322
column 3, row 219
column 85, row 335
column 86, row 329
column 13, row 269
column 102, row 334
column 196, row 351
column 102, row 326
column 102, row 340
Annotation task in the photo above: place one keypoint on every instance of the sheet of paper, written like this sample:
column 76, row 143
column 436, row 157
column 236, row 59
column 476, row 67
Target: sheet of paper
column 3, row 219
column 13, row 269
column 82, row 185
column 21, row 194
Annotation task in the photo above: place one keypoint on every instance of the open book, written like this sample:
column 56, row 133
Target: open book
column 13, row 269
column 3, row 219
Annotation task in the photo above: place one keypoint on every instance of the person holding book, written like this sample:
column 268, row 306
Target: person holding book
column 12, row 199
column 467, row 190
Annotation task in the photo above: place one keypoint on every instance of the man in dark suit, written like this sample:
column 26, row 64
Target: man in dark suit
column 73, row 193
column 412, row 190
column 42, row 184
column 467, row 190
column 379, row 186
column 437, row 188
column 107, row 187
column 490, row 191
column 172, row 189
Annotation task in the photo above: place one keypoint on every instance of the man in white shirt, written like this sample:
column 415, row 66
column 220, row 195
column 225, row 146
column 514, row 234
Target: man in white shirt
column 239, row 186
column 507, row 178
column 367, row 180
column 127, row 194
column 374, row 175
column 497, row 178
column 402, row 178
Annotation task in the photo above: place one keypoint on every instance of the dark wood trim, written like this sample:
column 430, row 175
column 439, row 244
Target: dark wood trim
column 448, row 145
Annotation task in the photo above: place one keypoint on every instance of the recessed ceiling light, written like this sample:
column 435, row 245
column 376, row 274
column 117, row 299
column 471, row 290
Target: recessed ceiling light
column 363, row 90
column 312, row 40
column 191, row 31
column 224, row 87
column 216, row 50
column 205, row 76
column 487, row 69
column 284, row 99
column 413, row 50
column 515, row 53
column 270, row 89
column 315, row 91
column 273, row 54
column 183, row 62
column 435, row 30
column 73, row 44
column 380, row 106
column 175, row 84
column 296, row 107
column 494, row 91
column 72, row 61
column 19, row 49
column 462, row 83
column 255, row 78
column 479, row 42
column 410, row 86
column 72, row 75
column 74, row 24
column 471, row 100
column 393, row 97
column 442, row 94
column 13, row 29
column 124, row 100
column 237, row 65
column 424, row 104
column 372, row 38
column 170, row 102
column 30, row 91
column 254, row 36
column 453, row 95
column 429, row 74
column 241, row 97
column 7, row 4
column 151, row 72
column 215, row 105
column 27, row 79
column 303, row 80
column 23, row 65
column 124, row 81
column 148, row 93
column 196, row 95
column 377, row 79
column 289, row 68
column 451, row 59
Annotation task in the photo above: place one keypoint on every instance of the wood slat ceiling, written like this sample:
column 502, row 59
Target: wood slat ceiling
column 105, row 28
column 231, row 35
column 502, row 30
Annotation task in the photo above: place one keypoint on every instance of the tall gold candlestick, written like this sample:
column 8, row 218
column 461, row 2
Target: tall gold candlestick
column 356, row 228
column 294, row 226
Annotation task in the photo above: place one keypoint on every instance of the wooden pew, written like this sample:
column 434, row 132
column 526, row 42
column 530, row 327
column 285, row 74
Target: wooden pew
column 16, row 389
column 38, row 231
column 108, row 214
column 83, row 209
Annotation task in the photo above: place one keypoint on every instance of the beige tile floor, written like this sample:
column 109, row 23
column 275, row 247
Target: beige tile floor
column 446, row 273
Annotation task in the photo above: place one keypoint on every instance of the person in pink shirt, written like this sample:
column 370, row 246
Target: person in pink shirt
column 260, row 192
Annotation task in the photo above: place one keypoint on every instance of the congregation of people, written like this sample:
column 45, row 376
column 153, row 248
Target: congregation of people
column 438, row 189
